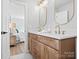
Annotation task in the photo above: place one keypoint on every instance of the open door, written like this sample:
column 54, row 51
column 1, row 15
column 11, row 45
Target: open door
column 17, row 30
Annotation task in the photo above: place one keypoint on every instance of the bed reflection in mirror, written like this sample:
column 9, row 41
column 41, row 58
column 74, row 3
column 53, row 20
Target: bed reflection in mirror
column 16, row 38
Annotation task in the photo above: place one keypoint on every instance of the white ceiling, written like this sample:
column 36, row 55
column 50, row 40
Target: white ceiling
column 58, row 2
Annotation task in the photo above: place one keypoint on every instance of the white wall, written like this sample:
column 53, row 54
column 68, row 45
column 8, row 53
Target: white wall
column 34, row 16
column 50, row 14
column 4, row 17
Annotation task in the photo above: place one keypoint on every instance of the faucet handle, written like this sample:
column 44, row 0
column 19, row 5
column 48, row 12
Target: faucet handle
column 63, row 32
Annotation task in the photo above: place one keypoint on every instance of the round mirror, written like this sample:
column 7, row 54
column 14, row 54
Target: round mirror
column 64, row 11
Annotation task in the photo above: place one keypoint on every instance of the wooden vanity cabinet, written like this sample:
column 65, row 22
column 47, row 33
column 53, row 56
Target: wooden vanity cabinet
column 68, row 48
column 37, row 50
column 50, row 53
column 31, row 37
column 49, row 41
column 42, row 47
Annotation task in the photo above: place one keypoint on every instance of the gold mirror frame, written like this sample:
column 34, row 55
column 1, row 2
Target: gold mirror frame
column 42, row 27
column 69, row 19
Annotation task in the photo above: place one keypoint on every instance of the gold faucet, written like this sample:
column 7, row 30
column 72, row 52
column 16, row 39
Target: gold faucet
column 57, row 29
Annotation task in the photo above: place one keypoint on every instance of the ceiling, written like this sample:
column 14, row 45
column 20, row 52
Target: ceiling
column 58, row 2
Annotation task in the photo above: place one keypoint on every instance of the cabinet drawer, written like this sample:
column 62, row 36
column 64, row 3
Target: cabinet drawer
column 32, row 36
column 49, row 41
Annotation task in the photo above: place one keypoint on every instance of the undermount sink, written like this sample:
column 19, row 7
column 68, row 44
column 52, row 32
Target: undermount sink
column 53, row 34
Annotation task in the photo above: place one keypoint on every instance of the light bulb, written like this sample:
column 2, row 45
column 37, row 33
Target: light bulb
column 44, row 3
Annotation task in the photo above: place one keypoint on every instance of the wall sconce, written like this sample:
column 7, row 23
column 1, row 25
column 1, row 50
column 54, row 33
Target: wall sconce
column 42, row 3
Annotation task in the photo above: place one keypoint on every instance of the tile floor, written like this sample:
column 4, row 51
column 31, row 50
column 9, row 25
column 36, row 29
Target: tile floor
column 17, row 49
column 22, row 56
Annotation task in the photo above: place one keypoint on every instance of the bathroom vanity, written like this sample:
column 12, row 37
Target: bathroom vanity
column 49, row 47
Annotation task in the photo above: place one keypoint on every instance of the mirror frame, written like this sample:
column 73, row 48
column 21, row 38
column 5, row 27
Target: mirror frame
column 69, row 19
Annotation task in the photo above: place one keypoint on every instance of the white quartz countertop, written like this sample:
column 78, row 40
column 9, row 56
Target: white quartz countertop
column 57, row 36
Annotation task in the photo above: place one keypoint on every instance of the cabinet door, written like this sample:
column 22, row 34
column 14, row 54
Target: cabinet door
column 68, row 48
column 37, row 50
column 50, row 53
column 29, row 43
column 31, row 37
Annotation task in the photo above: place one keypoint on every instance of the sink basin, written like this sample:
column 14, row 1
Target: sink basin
column 57, row 36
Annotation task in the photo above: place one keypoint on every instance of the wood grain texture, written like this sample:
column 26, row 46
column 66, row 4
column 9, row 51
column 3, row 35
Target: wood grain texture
column 42, row 47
